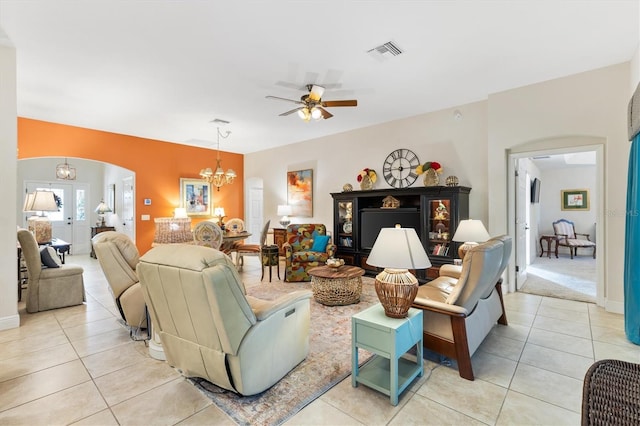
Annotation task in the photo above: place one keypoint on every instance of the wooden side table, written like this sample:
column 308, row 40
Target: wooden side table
column 95, row 230
column 270, row 258
column 388, row 371
column 279, row 238
column 550, row 239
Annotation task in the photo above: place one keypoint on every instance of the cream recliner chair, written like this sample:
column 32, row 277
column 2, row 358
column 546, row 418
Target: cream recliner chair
column 460, row 311
column 49, row 288
column 210, row 327
column 118, row 257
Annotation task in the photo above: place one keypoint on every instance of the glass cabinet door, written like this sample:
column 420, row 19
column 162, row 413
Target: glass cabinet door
column 439, row 227
column 345, row 224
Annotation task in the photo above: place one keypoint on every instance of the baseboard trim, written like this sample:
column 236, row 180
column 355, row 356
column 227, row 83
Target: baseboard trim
column 615, row 307
column 12, row 321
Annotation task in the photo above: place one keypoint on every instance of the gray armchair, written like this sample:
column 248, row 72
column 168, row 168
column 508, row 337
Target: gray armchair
column 462, row 305
column 119, row 257
column 49, row 287
column 210, row 327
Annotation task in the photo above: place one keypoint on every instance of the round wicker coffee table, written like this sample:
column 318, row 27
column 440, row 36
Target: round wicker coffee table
column 336, row 286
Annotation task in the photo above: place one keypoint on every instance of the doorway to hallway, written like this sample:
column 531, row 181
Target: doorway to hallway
column 557, row 170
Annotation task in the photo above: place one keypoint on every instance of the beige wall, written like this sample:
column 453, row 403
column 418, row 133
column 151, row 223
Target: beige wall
column 8, row 145
column 460, row 146
column 547, row 115
column 593, row 104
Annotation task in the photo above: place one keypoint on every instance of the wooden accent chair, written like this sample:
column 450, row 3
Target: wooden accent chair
column 207, row 233
column 565, row 231
column 243, row 249
column 461, row 307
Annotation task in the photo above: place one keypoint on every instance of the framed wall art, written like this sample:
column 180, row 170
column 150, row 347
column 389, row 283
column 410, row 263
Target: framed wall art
column 195, row 196
column 111, row 195
column 574, row 199
column 300, row 192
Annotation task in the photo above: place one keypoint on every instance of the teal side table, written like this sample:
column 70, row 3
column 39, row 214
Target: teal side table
column 389, row 339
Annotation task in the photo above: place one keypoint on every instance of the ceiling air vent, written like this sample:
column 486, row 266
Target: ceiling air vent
column 385, row 50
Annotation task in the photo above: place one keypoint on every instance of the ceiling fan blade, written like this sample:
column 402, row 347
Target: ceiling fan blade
column 316, row 93
column 345, row 103
column 290, row 112
column 325, row 114
column 284, row 99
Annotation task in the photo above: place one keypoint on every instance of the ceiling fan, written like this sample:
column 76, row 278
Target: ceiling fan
column 312, row 105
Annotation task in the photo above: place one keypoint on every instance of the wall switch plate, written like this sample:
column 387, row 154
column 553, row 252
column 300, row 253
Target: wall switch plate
column 145, row 217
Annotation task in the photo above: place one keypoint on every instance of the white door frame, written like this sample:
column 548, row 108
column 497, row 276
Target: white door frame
column 521, row 152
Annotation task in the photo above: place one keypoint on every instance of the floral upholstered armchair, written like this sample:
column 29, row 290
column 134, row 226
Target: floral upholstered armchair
column 306, row 246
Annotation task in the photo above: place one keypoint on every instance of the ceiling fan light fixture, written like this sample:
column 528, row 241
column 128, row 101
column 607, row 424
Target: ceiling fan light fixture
column 304, row 114
column 311, row 104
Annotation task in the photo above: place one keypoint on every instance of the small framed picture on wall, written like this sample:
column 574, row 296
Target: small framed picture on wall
column 574, row 199
column 195, row 196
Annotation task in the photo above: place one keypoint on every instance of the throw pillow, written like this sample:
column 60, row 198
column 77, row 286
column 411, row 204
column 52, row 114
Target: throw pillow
column 319, row 242
column 49, row 257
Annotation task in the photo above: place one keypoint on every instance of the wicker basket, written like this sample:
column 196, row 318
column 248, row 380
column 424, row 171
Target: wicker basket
column 611, row 393
column 336, row 291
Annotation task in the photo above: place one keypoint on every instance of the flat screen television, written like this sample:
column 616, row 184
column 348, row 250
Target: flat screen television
column 535, row 190
column 373, row 220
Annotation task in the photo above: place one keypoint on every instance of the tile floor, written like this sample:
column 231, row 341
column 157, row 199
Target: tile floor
column 78, row 365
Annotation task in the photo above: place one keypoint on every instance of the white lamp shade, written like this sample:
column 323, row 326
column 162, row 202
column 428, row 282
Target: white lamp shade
column 218, row 211
column 472, row 231
column 180, row 213
column 103, row 208
column 284, row 210
column 398, row 248
column 43, row 201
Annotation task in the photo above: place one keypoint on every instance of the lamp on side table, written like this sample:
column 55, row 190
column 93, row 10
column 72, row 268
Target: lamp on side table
column 470, row 232
column 397, row 250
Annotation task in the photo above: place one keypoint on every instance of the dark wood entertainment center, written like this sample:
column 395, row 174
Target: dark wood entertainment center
column 434, row 212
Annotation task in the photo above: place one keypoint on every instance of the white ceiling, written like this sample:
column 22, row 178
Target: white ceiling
column 165, row 69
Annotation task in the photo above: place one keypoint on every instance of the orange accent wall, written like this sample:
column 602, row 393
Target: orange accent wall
column 158, row 167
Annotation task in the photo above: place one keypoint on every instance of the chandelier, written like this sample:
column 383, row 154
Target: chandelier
column 219, row 177
column 65, row 171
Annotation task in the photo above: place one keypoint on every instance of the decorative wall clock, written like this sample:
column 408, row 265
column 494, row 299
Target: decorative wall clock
column 399, row 168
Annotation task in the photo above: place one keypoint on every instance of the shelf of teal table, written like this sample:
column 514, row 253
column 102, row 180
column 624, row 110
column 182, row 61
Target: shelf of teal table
column 391, row 369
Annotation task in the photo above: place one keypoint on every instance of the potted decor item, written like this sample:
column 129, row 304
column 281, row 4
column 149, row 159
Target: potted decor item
column 367, row 177
column 432, row 171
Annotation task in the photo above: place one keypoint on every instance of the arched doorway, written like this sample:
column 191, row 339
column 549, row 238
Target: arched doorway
column 519, row 227
column 95, row 181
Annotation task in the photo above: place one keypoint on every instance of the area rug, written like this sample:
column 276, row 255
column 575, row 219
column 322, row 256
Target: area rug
column 562, row 278
column 328, row 362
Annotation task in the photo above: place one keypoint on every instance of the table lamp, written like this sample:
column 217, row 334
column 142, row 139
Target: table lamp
column 397, row 250
column 470, row 232
column 285, row 211
column 40, row 201
column 180, row 213
column 101, row 210
column 219, row 213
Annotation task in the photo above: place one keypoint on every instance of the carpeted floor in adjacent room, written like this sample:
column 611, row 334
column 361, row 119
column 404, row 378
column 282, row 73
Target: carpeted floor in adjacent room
column 562, row 278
